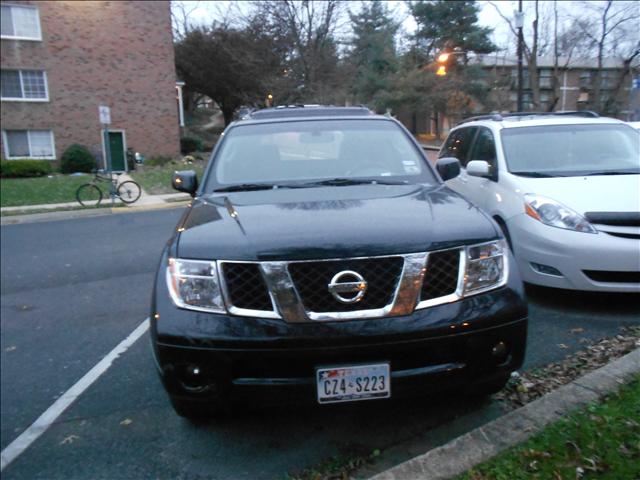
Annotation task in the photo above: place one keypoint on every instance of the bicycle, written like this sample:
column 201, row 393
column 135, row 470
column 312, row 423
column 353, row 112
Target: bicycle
column 128, row 191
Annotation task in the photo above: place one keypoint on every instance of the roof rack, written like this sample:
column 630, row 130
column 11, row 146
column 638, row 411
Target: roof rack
column 568, row 113
column 496, row 117
column 284, row 111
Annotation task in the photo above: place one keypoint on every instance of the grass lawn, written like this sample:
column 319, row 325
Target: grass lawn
column 601, row 441
column 157, row 180
column 34, row 191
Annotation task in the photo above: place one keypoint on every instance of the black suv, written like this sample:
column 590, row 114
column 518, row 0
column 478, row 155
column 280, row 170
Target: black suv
column 323, row 257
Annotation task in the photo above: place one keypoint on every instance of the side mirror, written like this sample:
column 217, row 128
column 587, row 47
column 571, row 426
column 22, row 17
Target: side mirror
column 448, row 167
column 185, row 181
column 480, row 168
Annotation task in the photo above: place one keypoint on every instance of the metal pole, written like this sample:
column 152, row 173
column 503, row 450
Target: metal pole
column 520, row 41
column 107, row 152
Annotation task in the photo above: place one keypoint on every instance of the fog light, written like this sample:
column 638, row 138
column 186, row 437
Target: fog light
column 546, row 269
column 500, row 350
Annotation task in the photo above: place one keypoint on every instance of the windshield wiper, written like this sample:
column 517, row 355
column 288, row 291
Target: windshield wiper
column 245, row 187
column 610, row 172
column 339, row 182
column 536, row 174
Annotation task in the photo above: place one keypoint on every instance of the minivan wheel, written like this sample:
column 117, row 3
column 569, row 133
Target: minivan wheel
column 199, row 411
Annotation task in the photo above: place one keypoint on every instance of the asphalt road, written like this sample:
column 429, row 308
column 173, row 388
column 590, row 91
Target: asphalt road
column 72, row 290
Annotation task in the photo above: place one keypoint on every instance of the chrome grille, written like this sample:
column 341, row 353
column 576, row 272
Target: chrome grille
column 441, row 276
column 311, row 280
column 245, row 286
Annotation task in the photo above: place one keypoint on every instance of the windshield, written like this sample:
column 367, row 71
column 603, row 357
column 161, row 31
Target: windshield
column 317, row 150
column 572, row 150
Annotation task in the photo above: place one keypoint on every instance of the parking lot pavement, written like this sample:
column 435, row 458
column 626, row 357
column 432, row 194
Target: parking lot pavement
column 63, row 319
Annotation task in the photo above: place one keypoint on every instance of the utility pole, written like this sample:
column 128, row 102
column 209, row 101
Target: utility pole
column 520, row 23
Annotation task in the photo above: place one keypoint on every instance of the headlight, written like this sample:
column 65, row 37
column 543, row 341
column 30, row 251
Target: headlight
column 486, row 267
column 555, row 214
column 193, row 284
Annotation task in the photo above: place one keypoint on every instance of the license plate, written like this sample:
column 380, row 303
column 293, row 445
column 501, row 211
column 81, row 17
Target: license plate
column 352, row 383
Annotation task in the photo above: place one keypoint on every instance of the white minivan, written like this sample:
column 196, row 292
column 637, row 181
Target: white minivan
column 564, row 188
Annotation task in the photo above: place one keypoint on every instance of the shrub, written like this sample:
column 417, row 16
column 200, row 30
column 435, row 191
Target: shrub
column 77, row 158
column 158, row 161
column 190, row 144
column 24, row 168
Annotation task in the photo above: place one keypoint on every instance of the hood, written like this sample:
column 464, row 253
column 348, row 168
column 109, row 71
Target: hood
column 329, row 222
column 600, row 193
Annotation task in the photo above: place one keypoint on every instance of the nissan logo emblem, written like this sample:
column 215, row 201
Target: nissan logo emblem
column 347, row 287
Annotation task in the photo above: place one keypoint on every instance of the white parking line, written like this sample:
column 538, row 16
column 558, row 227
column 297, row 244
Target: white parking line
column 50, row 415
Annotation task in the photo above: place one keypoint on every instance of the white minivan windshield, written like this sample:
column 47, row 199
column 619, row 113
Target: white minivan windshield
column 572, row 150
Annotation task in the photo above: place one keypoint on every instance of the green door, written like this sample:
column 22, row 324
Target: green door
column 116, row 147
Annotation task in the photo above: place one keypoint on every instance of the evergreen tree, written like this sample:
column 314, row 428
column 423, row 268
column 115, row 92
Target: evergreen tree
column 373, row 54
column 446, row 25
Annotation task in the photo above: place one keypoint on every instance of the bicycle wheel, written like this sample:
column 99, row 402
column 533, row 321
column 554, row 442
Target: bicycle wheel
column 87, row 194
column 129, row 191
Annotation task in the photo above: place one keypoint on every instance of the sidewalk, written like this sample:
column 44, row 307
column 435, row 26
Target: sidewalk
column 145, row 202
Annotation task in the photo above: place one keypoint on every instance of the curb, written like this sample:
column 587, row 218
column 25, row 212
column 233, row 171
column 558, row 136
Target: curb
column 483, row 443
column 73, row 214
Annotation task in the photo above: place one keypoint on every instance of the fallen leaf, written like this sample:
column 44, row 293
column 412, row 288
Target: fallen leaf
column 69, row 439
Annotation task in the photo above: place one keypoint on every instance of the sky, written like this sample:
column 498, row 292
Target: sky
column 206, row 11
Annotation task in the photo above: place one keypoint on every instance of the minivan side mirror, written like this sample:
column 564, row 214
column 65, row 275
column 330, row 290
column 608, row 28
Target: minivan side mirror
column 185, row 181
column 480, row 168
column 448, row 167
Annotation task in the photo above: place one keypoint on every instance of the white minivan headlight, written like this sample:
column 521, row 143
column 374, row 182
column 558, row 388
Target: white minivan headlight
column 555, row 214
column 194, row 285
column 486, row 266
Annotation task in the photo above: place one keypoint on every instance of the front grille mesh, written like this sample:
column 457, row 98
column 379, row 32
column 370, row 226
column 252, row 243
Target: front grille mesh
column 441, row 277
column 246, row 287
column 311, row 279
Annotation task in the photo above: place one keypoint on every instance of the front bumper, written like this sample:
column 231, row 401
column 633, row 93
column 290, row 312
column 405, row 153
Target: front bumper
column 445, row 346
column 572, row 253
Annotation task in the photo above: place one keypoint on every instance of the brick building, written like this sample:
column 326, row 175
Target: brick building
column 570, row 87
column 61, row 60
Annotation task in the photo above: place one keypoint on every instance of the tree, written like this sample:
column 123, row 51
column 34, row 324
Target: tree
column 443, row 25
column 373, row 54
column 306, row 30
column 606, row 19
column 530, row 50
column 230, row 65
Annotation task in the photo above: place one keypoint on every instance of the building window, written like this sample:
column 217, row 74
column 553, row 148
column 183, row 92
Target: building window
column 585, row 79
column 546, row 78
column 28, row 144
column 24, row 85
column 20, row 22
column 608, row 79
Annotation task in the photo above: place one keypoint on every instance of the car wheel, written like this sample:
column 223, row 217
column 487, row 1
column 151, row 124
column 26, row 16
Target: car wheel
column 199, row 411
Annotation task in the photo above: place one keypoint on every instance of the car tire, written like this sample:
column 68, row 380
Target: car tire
column 198, row 411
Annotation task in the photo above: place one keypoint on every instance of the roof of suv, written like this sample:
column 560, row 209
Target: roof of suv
column 298, row 111
column 532, row 119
